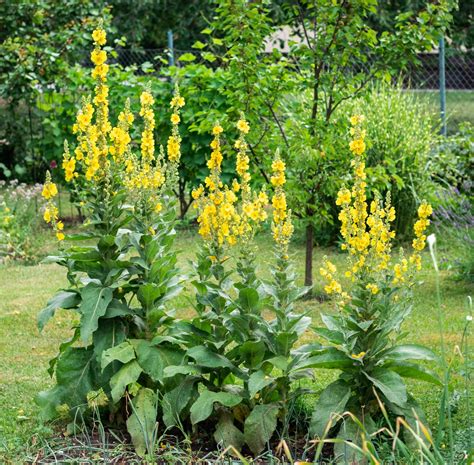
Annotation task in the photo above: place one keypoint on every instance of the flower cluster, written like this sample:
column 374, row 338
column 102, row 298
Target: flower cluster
column 282, row 227
column 50, row 215
column 222, row 220
column 104, row 153
column 174, row 140
column 366, row 229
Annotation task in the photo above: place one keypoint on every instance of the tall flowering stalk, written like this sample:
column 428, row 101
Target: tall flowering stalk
column 366, row 231
column 123, row 277
column 228, row 213
column 362, row 335
column 282, row 227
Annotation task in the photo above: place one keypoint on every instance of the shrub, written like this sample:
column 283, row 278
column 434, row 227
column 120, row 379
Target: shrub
column 122, row 276
column 362, row 336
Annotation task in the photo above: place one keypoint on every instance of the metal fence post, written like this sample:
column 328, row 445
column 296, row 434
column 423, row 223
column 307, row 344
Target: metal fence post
column 442, row 86
column 170, row 48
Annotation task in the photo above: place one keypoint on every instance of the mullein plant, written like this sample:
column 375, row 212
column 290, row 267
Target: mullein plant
column 363, row 335
column 240, row 364
column 124, row 274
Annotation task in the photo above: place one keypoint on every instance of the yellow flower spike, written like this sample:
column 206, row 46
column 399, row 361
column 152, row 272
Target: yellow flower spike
column 282, row 226
column 99, row 36
column 50, row 189
column 174, row 140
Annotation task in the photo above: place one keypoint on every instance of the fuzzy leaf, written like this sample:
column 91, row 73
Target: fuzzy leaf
column 415, row 371
column 248, row 299
column 176, row 400
column 390, row 384
column 258, row 381
column 204, row 405
column 260, row 426
column 333, row 400
column 95, row 300
column 409, row 352
column 123, row 353
column 63, row 299
column 142, row 422
column 227, row 434
column 128, row 374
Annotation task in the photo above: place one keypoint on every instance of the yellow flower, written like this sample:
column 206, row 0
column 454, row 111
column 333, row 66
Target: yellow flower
column 357, row 119
column 243, row 126
column 98, row 57
column 357, row 146
column 373, row 288
column 175, row 119
column 358, row 356
column 60, row 225
column 60, row 236
column 217, row 129
column 146, row 99
column 50, row 190
column 177, row 101
column 99, row 36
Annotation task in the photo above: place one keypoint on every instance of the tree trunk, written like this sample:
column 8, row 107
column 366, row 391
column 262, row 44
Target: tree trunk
column 308, row 275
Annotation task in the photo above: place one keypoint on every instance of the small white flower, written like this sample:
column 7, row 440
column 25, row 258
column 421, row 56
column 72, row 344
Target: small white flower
column 469, row 317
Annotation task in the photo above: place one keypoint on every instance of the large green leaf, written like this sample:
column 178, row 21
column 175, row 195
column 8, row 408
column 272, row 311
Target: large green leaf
column 204, row 405
column 328, row 358
column 408, row 352
column 148, row 293
column 123, row 353
column 153, row 359
column 63, row 299
column 141, row 424
column 390, row 384
column 207, row 358
column 49, row 400
column 415, row 371
column 260, row 426
column 128, row 374
column 76, row 370
column 227, row 434
column 332, row 401
column 110, row 333
column 95, row 300
column 176, row 400
column 257, row 381
column 248, row 299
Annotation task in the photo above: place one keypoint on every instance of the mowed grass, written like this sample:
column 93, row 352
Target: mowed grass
column 24, row 352
column 459, row 106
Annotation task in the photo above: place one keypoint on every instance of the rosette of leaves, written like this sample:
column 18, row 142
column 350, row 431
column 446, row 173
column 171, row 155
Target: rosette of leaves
column 120, row 287
column 364, row 345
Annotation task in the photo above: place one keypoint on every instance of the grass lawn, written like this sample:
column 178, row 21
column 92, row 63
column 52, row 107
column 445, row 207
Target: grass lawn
column 24, row 353
column 459, row 106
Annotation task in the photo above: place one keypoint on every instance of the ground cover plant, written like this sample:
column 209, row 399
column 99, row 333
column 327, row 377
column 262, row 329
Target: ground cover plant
column 234, row 372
